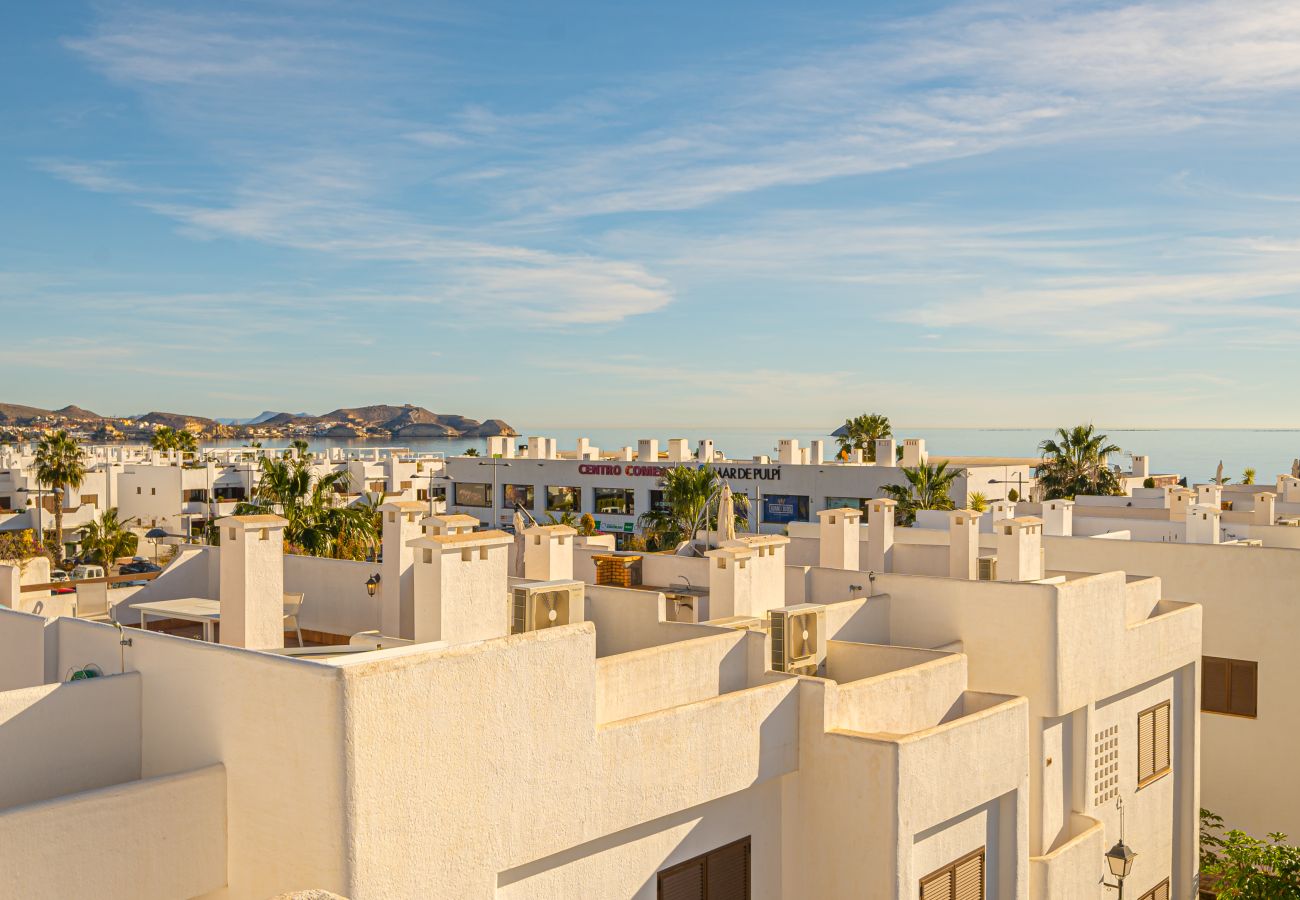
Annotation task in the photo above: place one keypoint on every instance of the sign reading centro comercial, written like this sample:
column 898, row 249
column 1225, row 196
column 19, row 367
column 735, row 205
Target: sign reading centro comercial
column 730, row 473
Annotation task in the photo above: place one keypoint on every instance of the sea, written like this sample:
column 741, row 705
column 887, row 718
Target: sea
column 1191, row 453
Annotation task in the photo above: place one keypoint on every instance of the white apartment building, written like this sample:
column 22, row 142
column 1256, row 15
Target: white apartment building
column 615, row 488
column 767, row 721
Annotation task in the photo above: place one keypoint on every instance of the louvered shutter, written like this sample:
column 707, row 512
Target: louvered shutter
column 1243, row 682
column 1162, row 891
column 938, row 886
column 683, row 882
column 1161, row 749
column 1146, row 743
column 1214, row 684
column 727, row 872
column 969, row 879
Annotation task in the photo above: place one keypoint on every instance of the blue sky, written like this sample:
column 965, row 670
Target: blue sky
column 661, row 214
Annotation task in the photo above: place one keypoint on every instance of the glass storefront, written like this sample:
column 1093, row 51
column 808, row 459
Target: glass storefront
column 563, row 499
column 513, row 495
column 470, row 493
column 615, row 502
column 779, row 509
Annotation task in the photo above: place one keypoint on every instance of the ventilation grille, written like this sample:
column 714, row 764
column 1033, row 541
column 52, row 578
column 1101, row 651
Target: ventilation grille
column 1105, row 765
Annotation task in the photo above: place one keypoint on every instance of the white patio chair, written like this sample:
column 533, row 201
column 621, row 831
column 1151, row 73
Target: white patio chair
column 293, row 606
column 92, row 602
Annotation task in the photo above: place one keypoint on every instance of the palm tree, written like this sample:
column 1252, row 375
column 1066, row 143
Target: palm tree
column 59, row 464
column 316, row 524
column 977, row 501
column 187, row 442
column 1075, row 463
column 929, row 486
column 690, row 502
column 472, row 451
column 861, row 433
column 1248, row 476
column 107, row 539
column 299, row 445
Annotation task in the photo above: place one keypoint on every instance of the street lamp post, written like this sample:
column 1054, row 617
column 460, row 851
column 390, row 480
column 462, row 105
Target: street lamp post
column 496, row 465
column 1119, row 859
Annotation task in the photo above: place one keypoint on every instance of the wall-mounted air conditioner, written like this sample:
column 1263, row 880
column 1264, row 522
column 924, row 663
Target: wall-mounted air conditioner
column 987, row 568
column 545, row 604
column 798, row 638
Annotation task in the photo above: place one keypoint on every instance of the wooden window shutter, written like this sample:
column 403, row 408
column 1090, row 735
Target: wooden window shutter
column 960, row 880
column 1159, row 892
column 727, row 872
column 969, row 879
column 1243, row 685
column 1153, row 743
column 1214, row 684
column 684, row 882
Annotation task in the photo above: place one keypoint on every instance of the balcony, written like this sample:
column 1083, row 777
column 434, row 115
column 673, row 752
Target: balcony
column 1074, row 860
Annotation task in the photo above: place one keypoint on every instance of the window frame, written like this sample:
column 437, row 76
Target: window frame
column 574, row 491
column 530, row 491
column 703, row 860
column 1227, row 693
column 487, row 494
column 628, row 496
column 1156, row 774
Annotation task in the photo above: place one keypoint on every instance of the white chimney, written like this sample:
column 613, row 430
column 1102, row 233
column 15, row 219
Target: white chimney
column 880, row 535
column 548, row 552
column 787, row 451
column 838, row 538
column 1264, row 512
column 858, row 456
column 1002, row 509
column 914, row 452
column 460, row 587
column 886, row 452
column 704, row 452
column 627, row 454
column 1210, row 495
column 647, row 450
column 963, row 544
column 1058, row 518
column 767, row 572
column 448, row 523
column 1020, row 549
column 1202, row 524
column 402, row 524
column 1180, row 501
column 501, row 445
column 731, row 584
column 817, row 452
column 677, row 450
column 252, row 581
column 1141, row 466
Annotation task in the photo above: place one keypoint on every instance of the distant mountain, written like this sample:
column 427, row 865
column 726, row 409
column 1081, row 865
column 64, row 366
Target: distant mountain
column 380, row 420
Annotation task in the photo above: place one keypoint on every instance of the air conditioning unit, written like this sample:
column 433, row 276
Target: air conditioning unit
column 545, row 604
column 987, row 569
column 798, row 638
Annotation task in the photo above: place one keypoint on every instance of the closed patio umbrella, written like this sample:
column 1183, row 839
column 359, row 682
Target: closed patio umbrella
column 726, row 514
column 519, row 543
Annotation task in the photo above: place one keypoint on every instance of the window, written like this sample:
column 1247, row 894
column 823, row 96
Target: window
column 1159, row 892
column 1153, row 744
column 960, row 880
column 469, row 493
column 849, row 503
column 781, row 508
column 721, row 874
column 563, row 499
column 658, row 503
column 194, row 495
column 615, row 502
column 1229, row 686
column 515, row 495
column 92, row 499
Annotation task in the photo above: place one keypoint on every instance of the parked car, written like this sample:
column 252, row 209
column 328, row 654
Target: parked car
column 87, row 571
column 139, row 567
column 61, row 577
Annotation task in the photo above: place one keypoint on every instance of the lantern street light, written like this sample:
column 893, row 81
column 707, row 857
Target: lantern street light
column 1120, row 857
column 372, row 583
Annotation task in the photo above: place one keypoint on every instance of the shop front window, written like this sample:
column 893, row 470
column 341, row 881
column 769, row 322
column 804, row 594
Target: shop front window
column 563, row 499
column 517, row 495
column 470, row 493
column 615, row 502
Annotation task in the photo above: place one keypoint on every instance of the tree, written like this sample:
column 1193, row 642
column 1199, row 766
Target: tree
column 861, row 433
column 1248, row 476
column 1075, row 463
column 586, row 525
column 472, row 451
column 690, row 502
column 1148, row 482
column 316, row 525
column 977, row 501
column 928, row 486
column 1236, row 865
column 165, row 437
column 59, row 464
column 109, row 538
